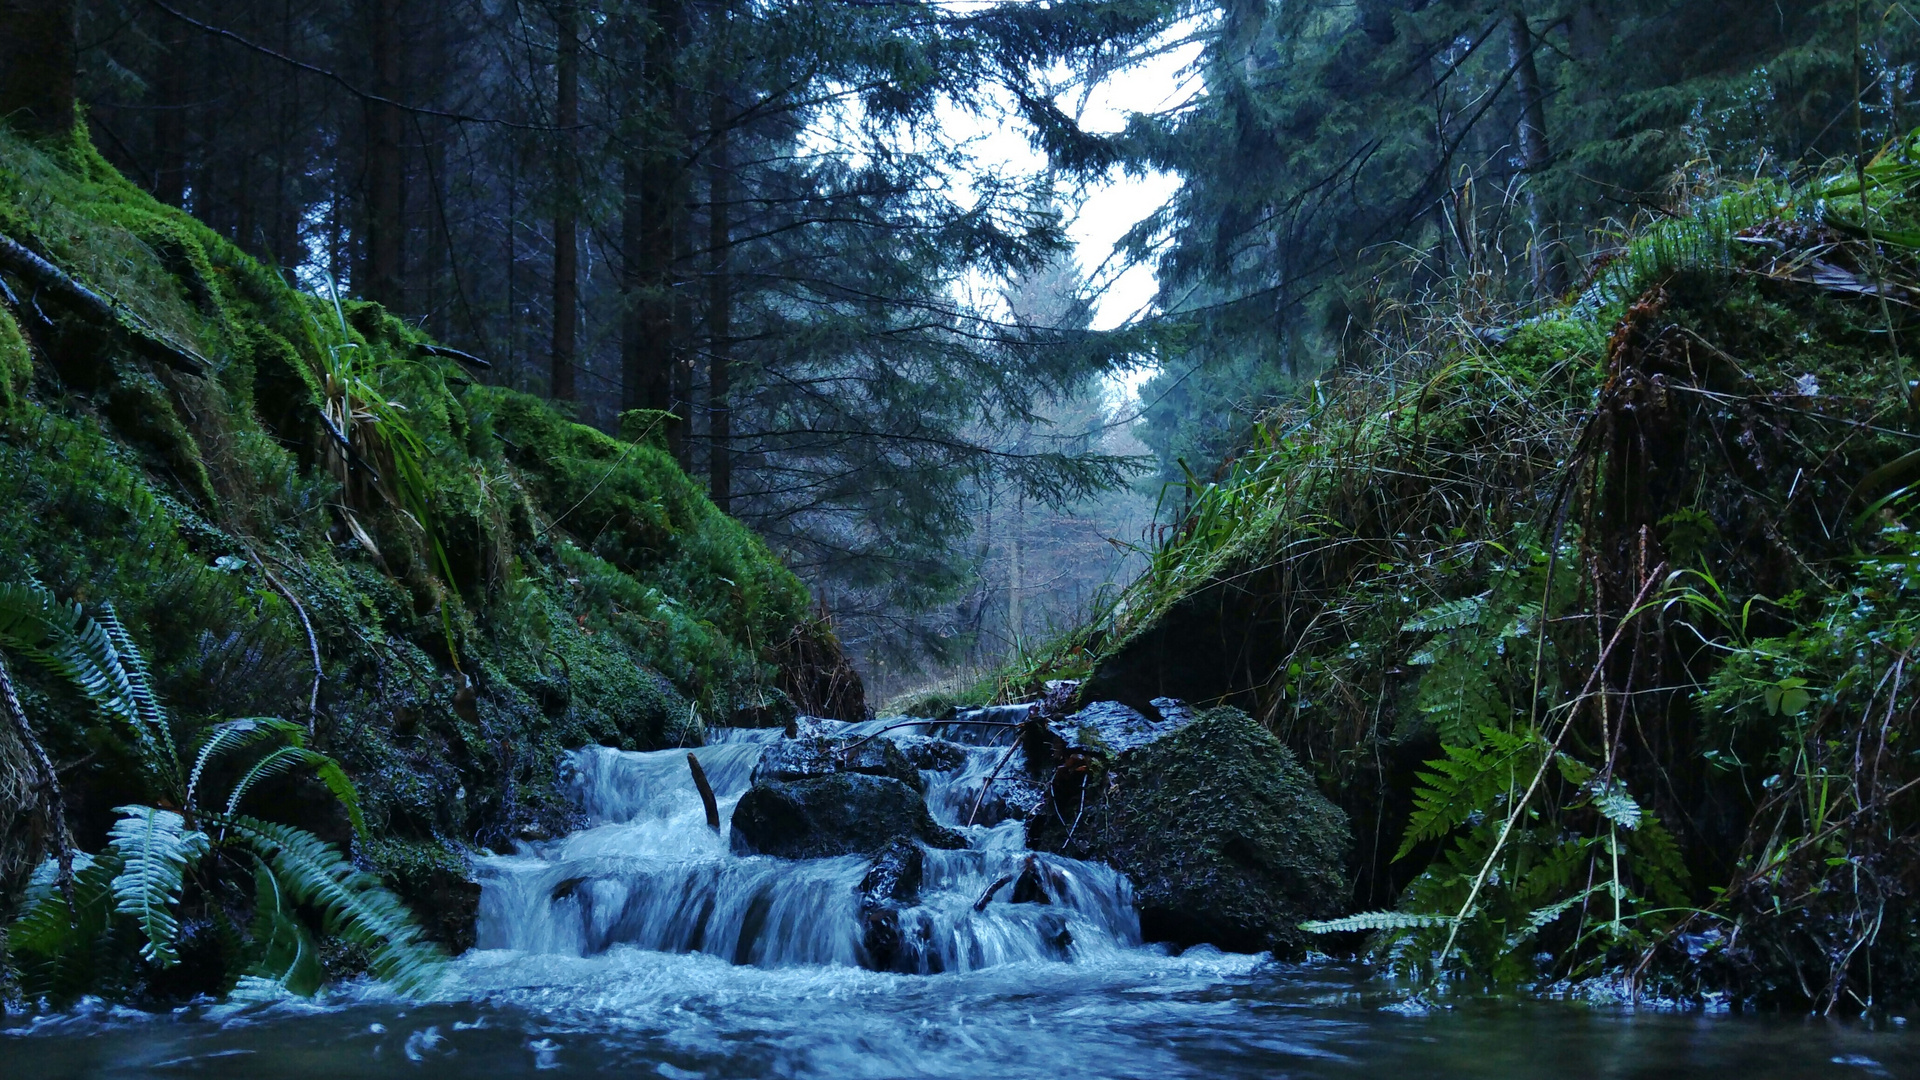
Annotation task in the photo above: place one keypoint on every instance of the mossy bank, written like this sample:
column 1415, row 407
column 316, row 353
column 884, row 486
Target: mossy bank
column 1598, row 621
column 339, row 523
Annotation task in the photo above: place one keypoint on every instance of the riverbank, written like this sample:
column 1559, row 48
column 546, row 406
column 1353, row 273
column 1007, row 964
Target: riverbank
column 301, row 508
column 1596, row 621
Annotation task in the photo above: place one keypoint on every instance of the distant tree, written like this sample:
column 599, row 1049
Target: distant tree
column 37, row 65
column 1344, row 153
column 746, row 216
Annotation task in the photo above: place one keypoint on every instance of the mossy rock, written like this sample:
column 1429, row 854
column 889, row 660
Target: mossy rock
column 1225, row 837
column 842, row 814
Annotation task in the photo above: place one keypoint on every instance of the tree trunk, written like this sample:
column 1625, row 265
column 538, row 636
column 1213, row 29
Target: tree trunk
column 679, row 434
column 654, row 205
column 566, row 240
column 170, row 120
column 385, row 254
column 720, row 312
column 1016, row 585
column 1535, row 155
column 37, row 61
column 636, row 380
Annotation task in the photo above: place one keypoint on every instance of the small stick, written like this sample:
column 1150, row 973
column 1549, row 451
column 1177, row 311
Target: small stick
column 991, row 777
column 987, row 897
column 706, row 792
column 313, row 643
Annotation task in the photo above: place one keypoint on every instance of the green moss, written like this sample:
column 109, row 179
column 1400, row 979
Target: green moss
column 16, row 362
column 589, row 591
column 1568, row 350
column 1225, row 837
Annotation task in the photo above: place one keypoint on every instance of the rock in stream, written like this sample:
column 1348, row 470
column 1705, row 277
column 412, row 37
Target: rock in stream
column 815, row 796
column 1225, row 837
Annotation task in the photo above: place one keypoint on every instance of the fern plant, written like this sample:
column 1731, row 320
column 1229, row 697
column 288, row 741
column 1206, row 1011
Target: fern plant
column 1588, row 867
column 128, row 898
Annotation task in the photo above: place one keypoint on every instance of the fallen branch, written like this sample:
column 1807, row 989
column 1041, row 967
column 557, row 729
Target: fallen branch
column 48, row 278
column 991, row 777
column 706, row 792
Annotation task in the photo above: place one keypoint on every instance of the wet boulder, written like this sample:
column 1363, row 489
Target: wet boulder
column 1225, row 837
column 1108, row 729
column 810, row 757
column 891, row 885
column 815, row 797
column 766, row 707
column 930, row 754
column 841, row 814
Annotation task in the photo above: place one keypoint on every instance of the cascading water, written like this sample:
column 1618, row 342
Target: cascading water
column 648, row 872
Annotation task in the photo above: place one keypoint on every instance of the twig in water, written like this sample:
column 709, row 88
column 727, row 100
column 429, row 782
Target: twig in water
column 991, row 777
column 706, row 792
column 987, row 897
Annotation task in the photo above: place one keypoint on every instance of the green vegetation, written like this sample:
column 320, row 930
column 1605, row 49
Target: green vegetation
column 75, row 934
column 440, row 585
column 1598, row 624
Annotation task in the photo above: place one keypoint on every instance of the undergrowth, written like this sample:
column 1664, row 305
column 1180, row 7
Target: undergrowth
column 1598, row 621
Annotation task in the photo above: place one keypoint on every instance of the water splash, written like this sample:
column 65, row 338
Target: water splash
column 647, row 872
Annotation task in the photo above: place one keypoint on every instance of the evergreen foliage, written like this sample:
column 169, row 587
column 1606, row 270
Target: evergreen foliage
column 773, row 239
column 1343, row 153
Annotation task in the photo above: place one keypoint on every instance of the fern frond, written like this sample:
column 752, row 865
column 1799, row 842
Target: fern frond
column 232, row 735
column 1376, row 920
column 289, row 962
column 62, row 953
column 1458, row 696
column 143, row 702
column 1614, row 804
column 287, row 758
column 352, row 903
column 1463, row 781
column 62, row 638
column 1540, row 918
column 155, row 848
column 1450, row 615
column 329, row 772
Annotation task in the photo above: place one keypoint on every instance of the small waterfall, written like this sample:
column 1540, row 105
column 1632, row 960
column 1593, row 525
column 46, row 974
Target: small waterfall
column 648, row 873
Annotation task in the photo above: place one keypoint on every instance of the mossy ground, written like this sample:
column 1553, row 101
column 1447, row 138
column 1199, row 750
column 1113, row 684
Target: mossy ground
column 588, row 590
column 1411, row 574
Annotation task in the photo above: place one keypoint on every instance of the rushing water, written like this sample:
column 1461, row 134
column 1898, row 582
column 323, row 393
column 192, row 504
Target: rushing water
column 639, row 946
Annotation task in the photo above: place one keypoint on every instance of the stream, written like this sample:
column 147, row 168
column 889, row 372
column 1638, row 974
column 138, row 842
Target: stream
column 640, row 946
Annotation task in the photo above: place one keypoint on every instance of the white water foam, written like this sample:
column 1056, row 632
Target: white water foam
column 647, row 872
